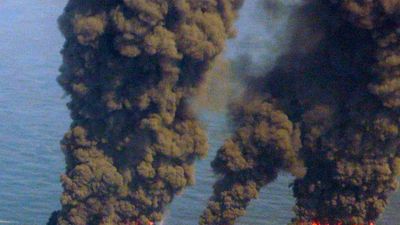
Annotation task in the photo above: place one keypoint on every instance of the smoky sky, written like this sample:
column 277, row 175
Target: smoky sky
column 326, row 110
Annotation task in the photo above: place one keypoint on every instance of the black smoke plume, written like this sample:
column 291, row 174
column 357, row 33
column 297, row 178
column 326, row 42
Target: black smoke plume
column 130, row 67
column 328, row 112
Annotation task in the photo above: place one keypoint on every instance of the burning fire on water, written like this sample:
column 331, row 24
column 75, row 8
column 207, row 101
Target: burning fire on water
column 327, row 223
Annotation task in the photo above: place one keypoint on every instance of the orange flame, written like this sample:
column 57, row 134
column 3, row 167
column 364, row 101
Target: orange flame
column 339, row 223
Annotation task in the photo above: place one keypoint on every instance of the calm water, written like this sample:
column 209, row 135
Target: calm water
column 33, row 118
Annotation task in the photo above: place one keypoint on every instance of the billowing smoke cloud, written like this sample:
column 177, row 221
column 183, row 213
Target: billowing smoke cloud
column 261, row 125
column 328, row 112
column 130, row 67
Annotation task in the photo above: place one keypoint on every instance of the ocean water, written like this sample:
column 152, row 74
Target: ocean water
column 33, row 118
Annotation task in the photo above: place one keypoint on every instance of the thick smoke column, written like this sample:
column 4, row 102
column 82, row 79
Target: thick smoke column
column 246, row 168
column 130, row 67
column 353, row 162
column 331, row 104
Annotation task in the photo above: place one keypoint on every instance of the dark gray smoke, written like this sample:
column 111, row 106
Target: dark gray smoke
column 130, row 67
column 328, row 112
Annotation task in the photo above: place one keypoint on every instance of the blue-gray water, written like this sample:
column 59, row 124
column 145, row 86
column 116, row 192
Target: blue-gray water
column 33, row 118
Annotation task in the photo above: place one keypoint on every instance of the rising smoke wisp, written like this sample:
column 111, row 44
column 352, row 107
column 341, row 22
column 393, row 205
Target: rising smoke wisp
column 328, row 112
column 130, row 67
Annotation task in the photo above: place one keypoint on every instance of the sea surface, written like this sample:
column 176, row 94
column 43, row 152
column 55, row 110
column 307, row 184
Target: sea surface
column 33, row 118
